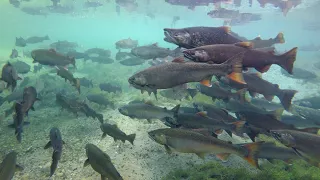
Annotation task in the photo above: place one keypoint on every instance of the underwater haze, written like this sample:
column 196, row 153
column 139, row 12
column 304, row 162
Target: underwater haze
column 159, row 89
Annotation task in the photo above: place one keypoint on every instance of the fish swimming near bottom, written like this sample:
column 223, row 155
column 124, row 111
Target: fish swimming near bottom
column 148, row 111
column 62, row 72
column 56, row 143
column 306, row 145
column 175, row 73
column 101, row 163
column 9, row 166
column 187, row 141
column 113, row 131
column 18, row 120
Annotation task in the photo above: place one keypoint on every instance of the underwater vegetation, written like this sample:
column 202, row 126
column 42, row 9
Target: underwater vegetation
column 278, row 170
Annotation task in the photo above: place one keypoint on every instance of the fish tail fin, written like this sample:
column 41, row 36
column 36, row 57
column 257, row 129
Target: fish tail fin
column 287, row 60
column 285, row 97
column 312, row 130
column 236, row 67
column 175, row 110
column 280, row 38
column 131, row 138
column 252, row 149
column 192, row 92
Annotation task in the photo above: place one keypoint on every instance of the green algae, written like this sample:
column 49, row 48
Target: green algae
column 277, row 170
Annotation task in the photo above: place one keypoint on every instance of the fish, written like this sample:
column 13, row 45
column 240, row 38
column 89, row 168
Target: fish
column 51, row 58
column 126, row 44
column 21, row 67
column 148, row 111
column 192, row 37
column 270, row 151
column 190, row 4
column 28, row 99
column 153, row 51
column 68, row 104
column 255, row 84
column 102, row 60
column 257, row 59
column 67, row 75
column 18, row 120
column 10, row 76
column 108, row 87
column 223, row 13
column 265, row 104
column 306, row 145
column 89, row 112
column 101, row 163
column 215, row 112
column 188, row 141
column 15, row 3
column 269, row 122
column 76, row 54
column 9, row 166
column 16, row 95
column 96, row 52
column 56, row 143
column 174, row 73
column 299, row 73
column 133, row 61
column 63, row 46
column 179, row 92
column 260, row 43
column 14, row 54
column 100, row 99
column 86, row 82
column 298, row 121
column 310, row 102
column 307, row 113
column 201, row 120
column 113, row 131
column 217, row 92
column 37, row 39
column 35, row 11
column 92, row 4
column 123, row 55
column 37, row 68
column 20, row 42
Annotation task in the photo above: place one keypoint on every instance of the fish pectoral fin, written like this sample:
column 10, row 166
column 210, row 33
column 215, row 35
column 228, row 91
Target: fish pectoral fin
column 201, row 155
column 207, row 81
column 223, row 156
column 32, row 108
column 169, row 151
column 103, row 135
column 103, row 177
column 19, row 168
column 48, row 145
column 86, row 163
column 269, row 97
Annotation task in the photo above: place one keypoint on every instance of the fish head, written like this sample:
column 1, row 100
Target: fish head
column 139, row 81
column 177, row 36
column 213, row 14
column 284, row 137
column 197, row 55
column 158, row 137
column 124, row 111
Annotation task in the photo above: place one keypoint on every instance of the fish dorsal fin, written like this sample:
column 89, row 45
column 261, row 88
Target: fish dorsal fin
column 226, row 29
column 257, row 38
column 245, row 44
column 276, row 85
column 52, row 50
column 223, row 156
column 179, row 60
column 207, row 81
column 149, row 103
column 202, row 113
column 154, row 44
column 115, row 125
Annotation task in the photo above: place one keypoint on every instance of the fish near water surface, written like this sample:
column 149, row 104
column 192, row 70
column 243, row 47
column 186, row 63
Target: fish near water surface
column 257, row 59
column 192, row 37
column 187, row 141
column 174, row 73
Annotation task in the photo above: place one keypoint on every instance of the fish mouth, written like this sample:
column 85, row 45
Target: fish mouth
column 168, row 37
column 150, row 136
column 189, row 55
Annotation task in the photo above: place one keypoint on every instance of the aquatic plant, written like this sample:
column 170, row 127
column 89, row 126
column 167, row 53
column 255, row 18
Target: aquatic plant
column 278, row 170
